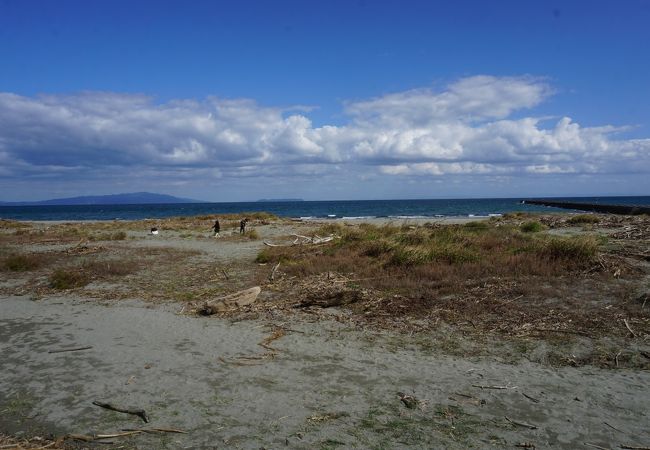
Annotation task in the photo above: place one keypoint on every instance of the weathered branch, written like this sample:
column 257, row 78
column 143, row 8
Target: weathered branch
column 136, row 412
column 70, row 349
column 521, row 424
column 275, row 268
column 627, row 325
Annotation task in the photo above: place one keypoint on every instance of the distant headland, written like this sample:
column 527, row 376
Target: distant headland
column 280, row 200
column 133, row 198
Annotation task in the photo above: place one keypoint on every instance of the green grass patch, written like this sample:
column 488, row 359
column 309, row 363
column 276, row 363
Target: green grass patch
column 578, row 250
column 477, row 225
column 264, row 256
column 532, row 226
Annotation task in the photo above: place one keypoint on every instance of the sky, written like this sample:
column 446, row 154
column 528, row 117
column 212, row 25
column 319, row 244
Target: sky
column 236, row 101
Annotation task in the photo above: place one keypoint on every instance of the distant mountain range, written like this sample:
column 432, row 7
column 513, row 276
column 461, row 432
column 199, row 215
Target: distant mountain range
column 133, row 198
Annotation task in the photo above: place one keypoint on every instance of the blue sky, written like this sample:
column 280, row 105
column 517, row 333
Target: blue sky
column 232, row 101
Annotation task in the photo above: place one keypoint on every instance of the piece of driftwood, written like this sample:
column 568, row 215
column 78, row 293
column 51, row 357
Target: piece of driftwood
column 304, row 240
column 275, row 268
column 235, row 300
column 464, row 395
column 136, row 412
column 613, row 427
column 521, row 424
column 76, row 349
column 277, row 334
column 595, row 446
column 155, row 430
column 114, row 435
column 627, row 325
column 533, row 399
column 80, row 437
column 526, row 445
column 481, row 386
column 125, row 432
column 632, row 447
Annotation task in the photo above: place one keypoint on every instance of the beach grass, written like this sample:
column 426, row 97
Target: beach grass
column 581, row 219
column 531, row 226
column 82, row 273
column 67, row 278
column 409, row 258
column 20, row 262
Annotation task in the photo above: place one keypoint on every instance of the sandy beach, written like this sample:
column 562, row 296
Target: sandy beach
column 289, row 372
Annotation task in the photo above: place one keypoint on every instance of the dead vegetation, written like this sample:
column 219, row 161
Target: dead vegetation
column 492, row 278
column 443, row 255
column 91, row 270
column 23, row 262
column 33, row 443
column 16, row 233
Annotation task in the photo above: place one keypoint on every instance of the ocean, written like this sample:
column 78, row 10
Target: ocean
column 348, row 209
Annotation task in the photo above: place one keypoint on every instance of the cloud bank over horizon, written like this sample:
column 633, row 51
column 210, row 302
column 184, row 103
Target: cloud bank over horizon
column 476, row 126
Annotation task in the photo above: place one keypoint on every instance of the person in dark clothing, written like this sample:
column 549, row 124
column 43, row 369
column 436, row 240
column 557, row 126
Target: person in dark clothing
column 216, row 227
column 242, row 226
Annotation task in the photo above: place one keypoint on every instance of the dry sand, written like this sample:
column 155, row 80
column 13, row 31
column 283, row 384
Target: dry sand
column 195, row 382
column 323, row 384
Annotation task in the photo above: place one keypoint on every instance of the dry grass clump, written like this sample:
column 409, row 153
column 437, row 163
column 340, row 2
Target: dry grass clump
column 82, row 274
column 583, row 219
column 443, row 255
column 68, row 278
column 13, row 224
column 578, row 251
column 252, row 235
column 19, row 262
column 116, row 236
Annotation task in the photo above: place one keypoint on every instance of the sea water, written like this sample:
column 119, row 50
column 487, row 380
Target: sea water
column 340, row 209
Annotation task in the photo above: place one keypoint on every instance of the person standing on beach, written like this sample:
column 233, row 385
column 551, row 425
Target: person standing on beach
column 242, row 226
column 216, row 227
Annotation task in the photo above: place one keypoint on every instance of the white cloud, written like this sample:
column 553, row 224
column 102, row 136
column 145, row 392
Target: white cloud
column 469, row 99
column 463, row 129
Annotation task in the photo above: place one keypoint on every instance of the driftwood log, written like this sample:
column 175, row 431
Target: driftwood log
column 304, row 240
column 225, row 303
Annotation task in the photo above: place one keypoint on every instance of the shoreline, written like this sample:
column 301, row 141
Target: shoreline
column 307, row 220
